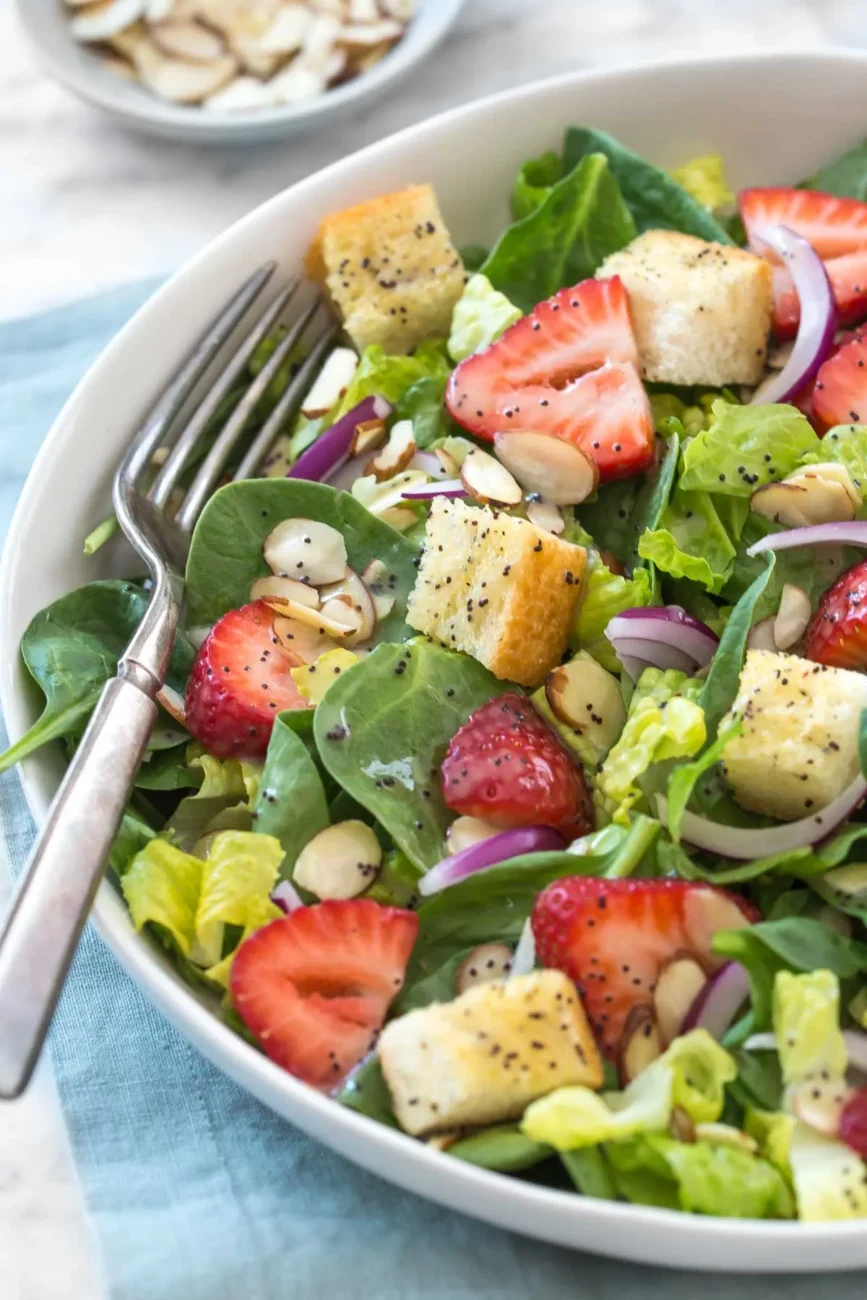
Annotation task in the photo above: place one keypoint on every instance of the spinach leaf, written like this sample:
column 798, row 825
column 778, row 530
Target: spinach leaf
column 226, row 552
column 534, row 183
column 655, row 200
column 291, row 803
column 721, row 684
column 71, row 650
column 383, row 729
column 589, row 1171
column 503, row 1147
column 367, row 1092
column 424, row 404
column 565, row 239
column 132, row 836
column 686, row 776
column 473, row 257
column 846, row 176
column 168, row 769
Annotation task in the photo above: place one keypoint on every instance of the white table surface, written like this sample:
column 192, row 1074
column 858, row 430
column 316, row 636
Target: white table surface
column 85, row 205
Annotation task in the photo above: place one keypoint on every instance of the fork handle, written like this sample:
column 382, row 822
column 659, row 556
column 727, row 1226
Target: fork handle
column 40, row 934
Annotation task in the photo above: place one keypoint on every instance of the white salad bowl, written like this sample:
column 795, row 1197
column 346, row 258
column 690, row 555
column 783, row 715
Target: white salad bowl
column 669, row 112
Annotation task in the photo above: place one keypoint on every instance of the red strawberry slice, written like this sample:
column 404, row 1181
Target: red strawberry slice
column 315, row 986
column 569, row 368
column 848, row 277
column 239, row 683
column 837, row 633
column 506, row 765
column 615, row 937
column 840, row 391
column 833, row 226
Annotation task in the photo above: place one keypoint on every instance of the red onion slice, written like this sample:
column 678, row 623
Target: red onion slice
column 286, row 896
column 650, row 654
column 499, row 848
column 684, row 634
column 848, row 533
column 332, row 448
column 818, row 314
column 744, row 844
column 451, row 488
column 719, row 1002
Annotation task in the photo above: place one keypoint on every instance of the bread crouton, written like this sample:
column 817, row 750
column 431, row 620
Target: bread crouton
column 484, row 1057
column 799, row 746
column 702, row 312
column 390, row 269
column 497, row 588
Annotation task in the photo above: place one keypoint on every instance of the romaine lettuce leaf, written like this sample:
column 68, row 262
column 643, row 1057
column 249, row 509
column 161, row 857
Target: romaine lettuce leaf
column 607, row 594
column 745, row 447
column 806, row 1015
column 704, row 178
column 480, row 316
column 847, row 443
column 830, row 1181
column 690, row 541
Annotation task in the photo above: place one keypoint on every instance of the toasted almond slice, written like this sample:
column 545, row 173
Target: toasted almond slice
column 118, row 68
column 287, row 31
column 188, row 40
column 726, row 1135
column 761, row 637
column 173, row 703
column 99, row 21
column 396, row 454
column 365, row 34
column 819, row 1103
column 584, row 696
column 342, row 611
column 332, row 7
column 545, row 516
column 448, row 462
column 305, row 548
column 442, row 1141
column 337, row 620
column 296, row 83
column 707, row 911
column 399, row 519
column 281, row 589
column 375, row 576
column 238, row 17
column 677, row 987
column 559, row 471
column 127, row 42
column 353, row 590
column 828, row 472
column 340, row 862
column 402, row 10
column 362, row 11
column 331, row 384
column 681, row 1126
column 243, row 95
column 177, row 80
column 320, row 40
column 304, row 643
column 335, row 65
column 641, row 1044
column 810, row 501
column 464, row 832
column 792, row 618
column 78, row 4
column 157, row 11
column 369, row 435
column 484, row 965
column 382, row 606
column 488, row 481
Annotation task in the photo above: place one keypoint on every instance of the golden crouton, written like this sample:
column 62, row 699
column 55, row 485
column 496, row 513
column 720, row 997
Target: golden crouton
column 702, row 312
column 799, row 746
column 390, row 269
column 497, row 588
column 484, row 1057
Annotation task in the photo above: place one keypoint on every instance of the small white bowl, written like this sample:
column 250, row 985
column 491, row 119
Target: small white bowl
column 75, row 66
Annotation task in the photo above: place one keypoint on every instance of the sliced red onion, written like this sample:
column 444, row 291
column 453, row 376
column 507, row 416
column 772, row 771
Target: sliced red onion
column 499, row 848
column 719, row 1002
column 852, row 532
column 744, row 844
column 286, row 896
column 667, row 625
column 524, row 960
column 818, row 314
column 333, row 447
column 429, row 463
column 451, row 488
column 650, row 654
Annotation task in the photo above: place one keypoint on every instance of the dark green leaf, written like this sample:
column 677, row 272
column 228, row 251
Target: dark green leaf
column 424, row 404
column 534, row 183
column 721, row 685
column 588, row 1169
column 684, row 778
column 132, row 836
column 504, row 1148
column 291, row 803
column 367, row 1092
column 846, row 176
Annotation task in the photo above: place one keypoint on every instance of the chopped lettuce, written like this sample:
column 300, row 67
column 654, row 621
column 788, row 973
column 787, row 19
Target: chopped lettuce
column 704, row 178
column 224, row 778
column 847, row 443
column 480, row 316
column 313, row 680
column 745, row 447
column 664, row 722
column 668, row 407
column 828, row 1176
column 607, row 594
column 806, row 1012
column 691, row 541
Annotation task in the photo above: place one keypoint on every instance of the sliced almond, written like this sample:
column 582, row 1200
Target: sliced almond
column 402, row 10
column 396, row 454
column 368, row 435
column 352, row 590
column 321, row 37
column 641, row 1044
column 542, row 514
column 287, row 31
column 157, row 11
column 681, row 1126
column 442, row 1141
column 99, row 21
column 118, row 67
column 761, row 636
column 189, row 41
column 362, row 11
column 792, row 617
column 331, row 384
column 484, row 965
column 297, row 83
column 465, row 832
column 283, row 589
column 726, row 1135
column 341, row 611
column 559, row 471
column 173, row 703
column 383, row 605
column 706, row 911
column 340, row 862
column 797, row 505
column 364, row 57
column 399, row 519
column 242, row 95
column 365, row 34
column 303, row 643
column 819, row 1103
column 448, row 462
column 585, row 697
column 677, row 986
column 381, row 497
column 828, row 472
column 489, row 482
column 375, row 576
column 177, row 80
column 252, row 17
column 305, row 548
column 335, row 619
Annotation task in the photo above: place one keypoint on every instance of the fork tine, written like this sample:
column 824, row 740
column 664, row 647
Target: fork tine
column 183, row 383
column 286, row 406
column 209, row 472
column 199, row 420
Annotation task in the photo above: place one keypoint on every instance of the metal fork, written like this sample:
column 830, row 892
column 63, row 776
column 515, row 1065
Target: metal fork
column 41, row 931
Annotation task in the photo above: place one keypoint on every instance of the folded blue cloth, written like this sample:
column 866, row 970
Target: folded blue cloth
column 198, row 1191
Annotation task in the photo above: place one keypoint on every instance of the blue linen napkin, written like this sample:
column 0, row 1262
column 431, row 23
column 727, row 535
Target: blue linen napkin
column 197, row 1190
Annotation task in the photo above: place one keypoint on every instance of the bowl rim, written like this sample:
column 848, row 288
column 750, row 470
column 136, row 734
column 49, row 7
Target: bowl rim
column 147, row 111
column 494, row 1197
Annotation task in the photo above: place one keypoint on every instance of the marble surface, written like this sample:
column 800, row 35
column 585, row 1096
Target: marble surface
column 84, row 205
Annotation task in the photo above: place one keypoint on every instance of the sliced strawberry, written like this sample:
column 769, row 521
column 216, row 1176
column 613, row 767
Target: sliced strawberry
column 315, row 986
column 507, row 766
column 568, row 368
column 840, row 391
column 837, row 633
column 833, row 226
column 239, row 683
column 614, row 937
column 848, row 277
